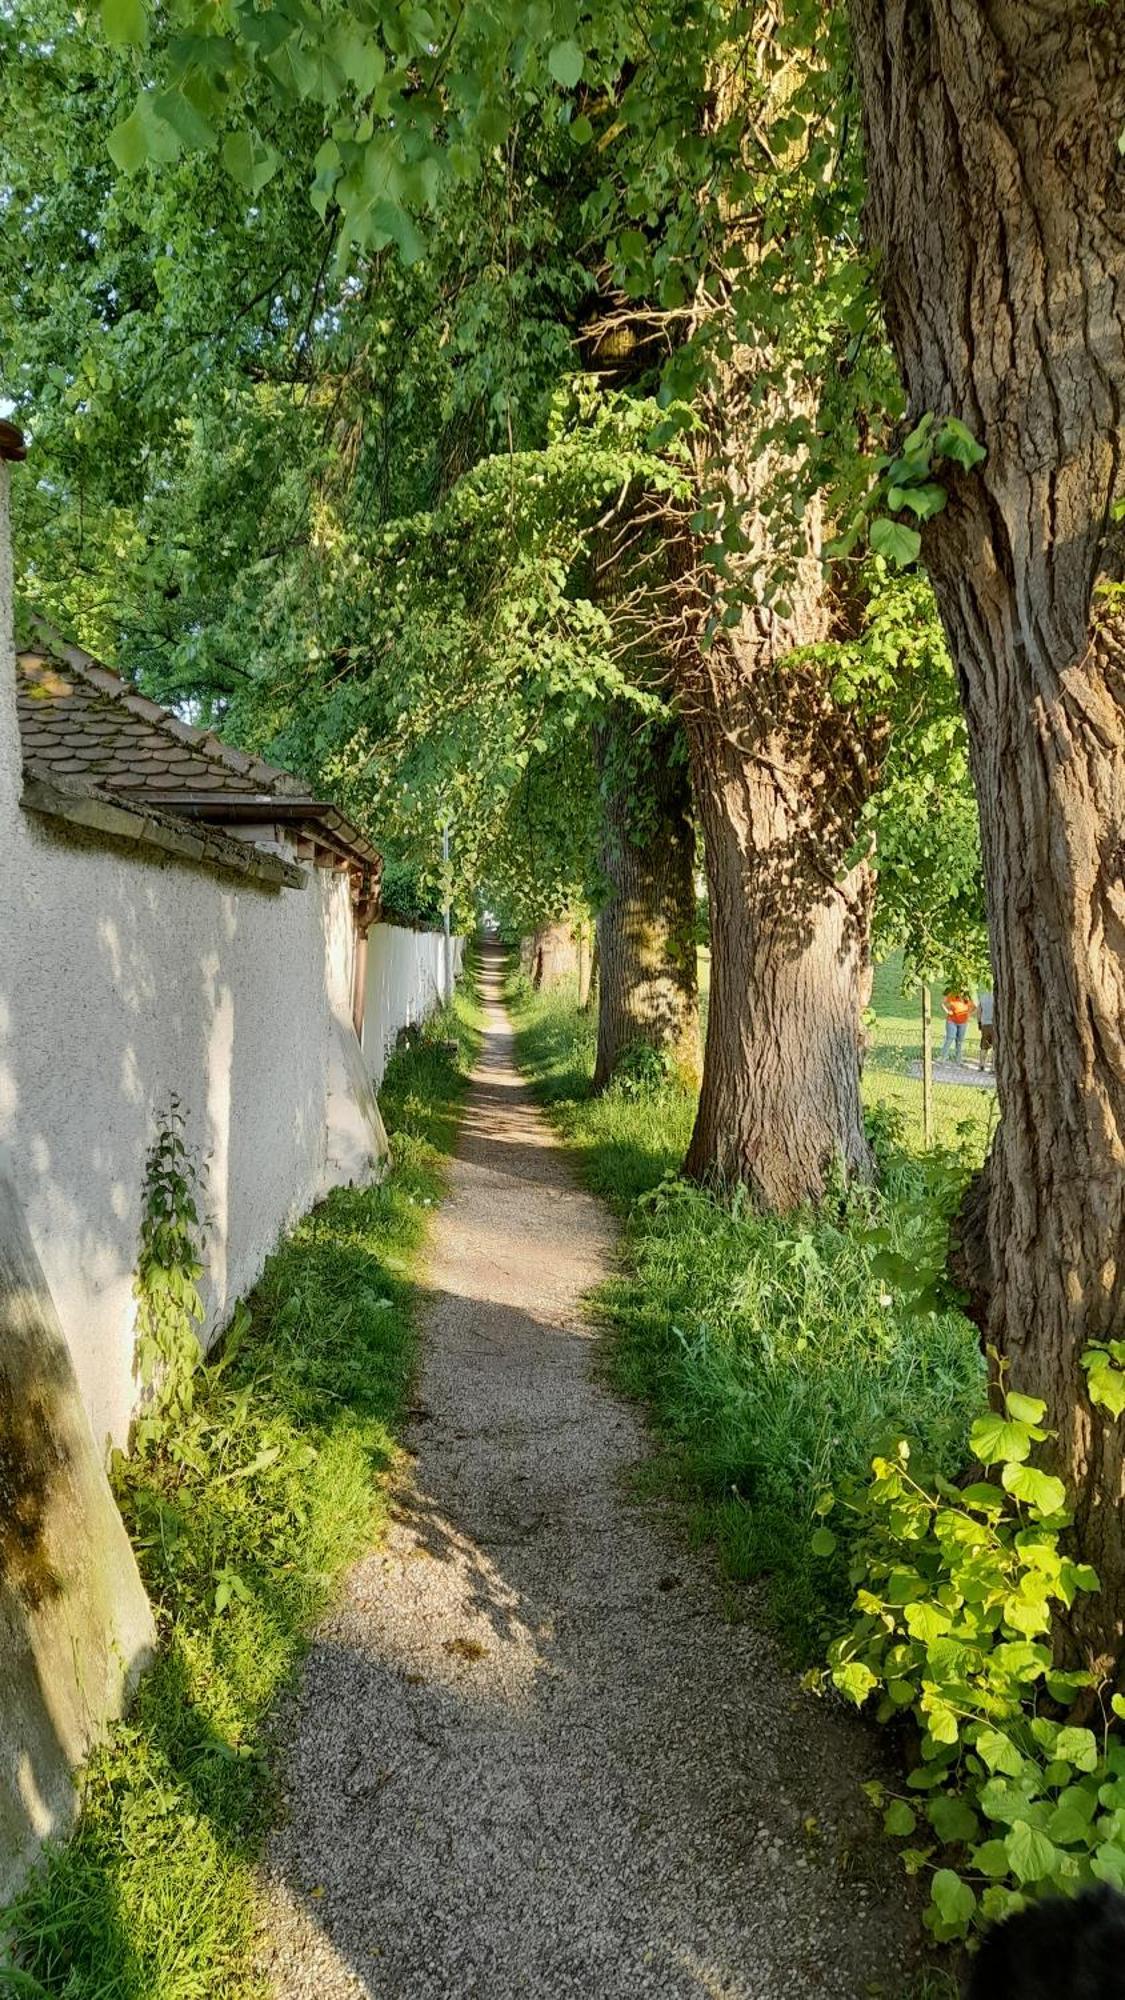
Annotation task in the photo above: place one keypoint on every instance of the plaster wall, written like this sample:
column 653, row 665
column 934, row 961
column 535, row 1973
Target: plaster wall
column 126, row 979
column 405, row 975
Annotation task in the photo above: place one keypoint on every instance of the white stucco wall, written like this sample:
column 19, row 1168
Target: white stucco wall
column 125, row 978
column 405, row 975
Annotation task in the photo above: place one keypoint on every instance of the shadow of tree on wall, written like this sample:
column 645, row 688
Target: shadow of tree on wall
column 123, row 981
column 74, row 1622
column 254, row 1506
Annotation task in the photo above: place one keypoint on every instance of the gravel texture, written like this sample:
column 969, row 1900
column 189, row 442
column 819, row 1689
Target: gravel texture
column 530, row 1754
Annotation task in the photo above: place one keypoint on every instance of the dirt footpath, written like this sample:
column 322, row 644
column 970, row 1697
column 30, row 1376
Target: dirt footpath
column 530, row 1755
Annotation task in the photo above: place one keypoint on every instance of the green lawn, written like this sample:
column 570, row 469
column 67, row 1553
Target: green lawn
column 243, row 1518
column 963, row 1115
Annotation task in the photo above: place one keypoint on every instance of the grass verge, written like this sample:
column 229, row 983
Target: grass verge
column 243, row 1520
column 777, row 1356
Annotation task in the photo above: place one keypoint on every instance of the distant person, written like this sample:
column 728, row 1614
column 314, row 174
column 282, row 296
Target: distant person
column 987, row 1028
column 959, row 1011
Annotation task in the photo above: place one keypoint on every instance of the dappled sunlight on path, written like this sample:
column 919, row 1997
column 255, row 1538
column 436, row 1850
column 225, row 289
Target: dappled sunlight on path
column 530, row 1755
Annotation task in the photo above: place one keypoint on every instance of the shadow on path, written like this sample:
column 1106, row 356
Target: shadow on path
column 530, row 1755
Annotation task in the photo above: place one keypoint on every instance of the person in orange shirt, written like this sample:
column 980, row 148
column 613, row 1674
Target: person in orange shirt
column 959, row 1011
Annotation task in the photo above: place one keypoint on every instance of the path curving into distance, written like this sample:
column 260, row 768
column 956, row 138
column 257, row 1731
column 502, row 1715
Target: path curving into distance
column 530, row 1755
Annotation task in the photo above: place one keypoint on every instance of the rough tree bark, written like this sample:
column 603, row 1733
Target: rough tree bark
column 780, row 775
column 997, row 206
column 549, row 955
column 780, row 1107
column 648, row 989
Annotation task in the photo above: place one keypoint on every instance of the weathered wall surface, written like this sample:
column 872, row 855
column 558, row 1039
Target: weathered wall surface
column 125, row 979
column 405, row 974
column 75, row 1626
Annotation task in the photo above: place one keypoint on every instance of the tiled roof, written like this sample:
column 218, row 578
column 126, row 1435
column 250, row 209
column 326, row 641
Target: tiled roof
column 84, row 730
column 82, row 721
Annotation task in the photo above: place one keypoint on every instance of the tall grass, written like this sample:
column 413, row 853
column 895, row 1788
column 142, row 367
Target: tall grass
column 243, row 1520
column 777, row 1356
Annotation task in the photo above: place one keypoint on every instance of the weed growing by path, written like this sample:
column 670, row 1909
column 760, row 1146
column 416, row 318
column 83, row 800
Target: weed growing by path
column 778, row 1357
column 244, row 1516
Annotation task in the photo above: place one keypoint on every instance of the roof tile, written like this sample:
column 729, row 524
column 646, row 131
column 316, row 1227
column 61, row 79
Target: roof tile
column 80, row 721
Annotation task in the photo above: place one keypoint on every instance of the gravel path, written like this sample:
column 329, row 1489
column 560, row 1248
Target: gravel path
column 530, row 1754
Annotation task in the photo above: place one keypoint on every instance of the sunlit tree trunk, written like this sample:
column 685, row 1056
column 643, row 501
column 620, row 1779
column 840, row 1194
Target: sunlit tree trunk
column 781, row 774
column 997, row 208
column 648, row 990
column 780, row 1107
column 550, row 955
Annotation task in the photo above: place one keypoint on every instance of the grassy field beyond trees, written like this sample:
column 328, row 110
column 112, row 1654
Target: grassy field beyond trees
column 777, row 1355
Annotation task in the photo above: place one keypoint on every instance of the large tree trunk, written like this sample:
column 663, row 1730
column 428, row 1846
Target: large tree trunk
column 648, row 990
column 780, row 1108
column 781, row 774
column 997, row 205
column 550, row 955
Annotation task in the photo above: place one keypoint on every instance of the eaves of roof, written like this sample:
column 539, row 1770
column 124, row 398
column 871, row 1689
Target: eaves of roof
column 78, row 804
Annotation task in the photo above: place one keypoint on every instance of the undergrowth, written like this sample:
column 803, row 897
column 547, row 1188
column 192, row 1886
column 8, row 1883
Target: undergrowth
column 777, row 1356
column 243, row 1513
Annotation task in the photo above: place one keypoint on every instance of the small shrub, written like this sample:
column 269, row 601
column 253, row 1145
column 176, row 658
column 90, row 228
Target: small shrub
column 169, row 1267
column 957, row 1588
column 642, row 1071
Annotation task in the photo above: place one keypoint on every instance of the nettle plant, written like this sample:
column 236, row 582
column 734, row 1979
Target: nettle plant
column 957, row 1589
column 169, row 1267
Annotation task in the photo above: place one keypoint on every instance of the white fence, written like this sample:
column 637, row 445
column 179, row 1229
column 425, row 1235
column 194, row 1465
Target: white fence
column 405, row 984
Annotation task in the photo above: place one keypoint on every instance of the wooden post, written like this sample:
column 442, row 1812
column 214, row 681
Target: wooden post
column 927, row 1070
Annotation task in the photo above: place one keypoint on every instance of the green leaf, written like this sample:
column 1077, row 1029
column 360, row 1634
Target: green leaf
column 854, row 1680
column 925, row 501
column 1078, row 1747
column 926, row 1776
column 952, row 1820
column 124, row 22
column 581, row 130
column 358, row 56
column 900, row 545
column 248, row 161
column 995, row 1438
column 1032, row 1855
column 1038, row 1489
column 1070, row 1821
column 991, row 1859
column 920, row 434
column 999, row 1902
column 926, row 1621
column 823, row 1542
column 956, row 441
column 1009, row 1803
column 1105, row 1386
column 189, row 124
column 1108, row 1864
column 566, row 63
column 899, row 1820
column 1024, row 1409
column 998, row 1752
column 953, row 1899
column 143, row 136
